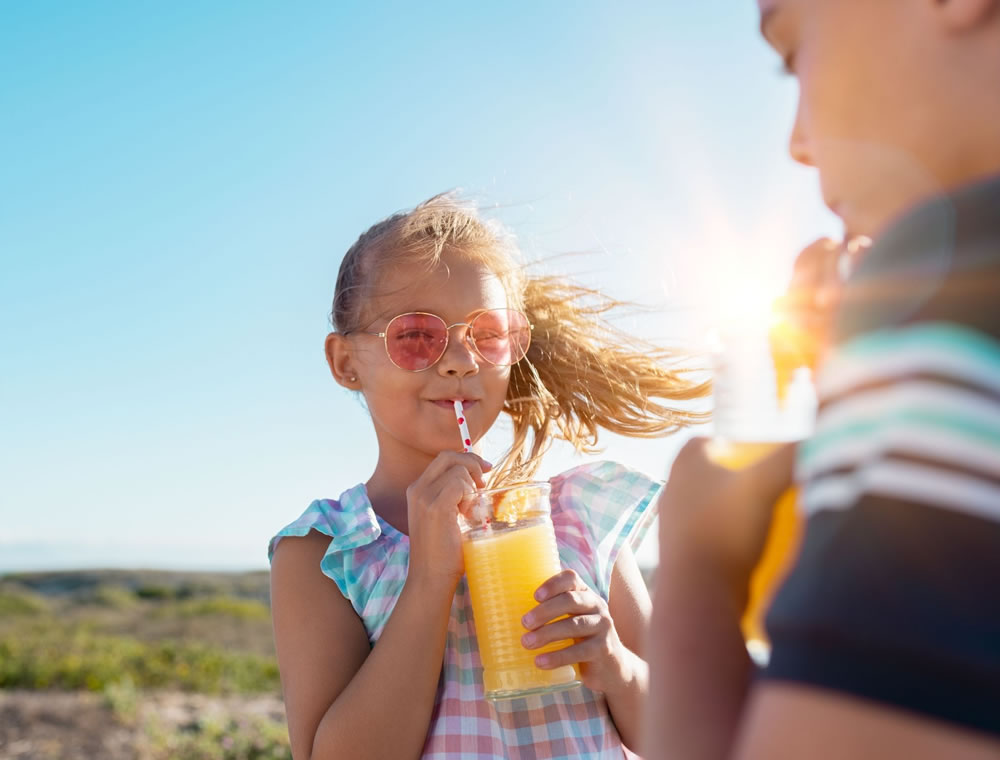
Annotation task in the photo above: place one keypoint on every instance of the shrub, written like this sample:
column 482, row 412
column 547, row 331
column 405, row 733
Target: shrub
column 155, row 592
column 122, row 698
column 113, row 597
column 81, row 659
column 21, row 603
column 224, row 606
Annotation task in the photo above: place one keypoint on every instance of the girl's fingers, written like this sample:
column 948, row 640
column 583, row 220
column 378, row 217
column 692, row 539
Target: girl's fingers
column 475, row 466
column 587, row 650
column 565, row 580
column 473, row 463
column 456, row 485
column 442, row 471
column 576, row 627
column 572, row 602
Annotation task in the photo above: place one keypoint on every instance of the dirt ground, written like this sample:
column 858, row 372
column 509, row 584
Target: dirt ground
column 39, row 725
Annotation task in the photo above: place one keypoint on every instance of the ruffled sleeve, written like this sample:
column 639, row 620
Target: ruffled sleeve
column 596, row 509
column 355, row 554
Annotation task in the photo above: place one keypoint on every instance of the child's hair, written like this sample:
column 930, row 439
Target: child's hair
column 580, row 373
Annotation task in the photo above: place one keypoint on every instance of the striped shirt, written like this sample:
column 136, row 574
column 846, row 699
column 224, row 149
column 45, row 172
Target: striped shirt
column 896, row 593
column 596, row 509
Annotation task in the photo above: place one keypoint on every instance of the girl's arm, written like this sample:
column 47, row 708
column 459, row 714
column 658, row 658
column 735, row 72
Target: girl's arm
column 631, row 611
column 343, row 698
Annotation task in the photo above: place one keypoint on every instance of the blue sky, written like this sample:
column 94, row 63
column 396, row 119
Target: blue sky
column 179, row 182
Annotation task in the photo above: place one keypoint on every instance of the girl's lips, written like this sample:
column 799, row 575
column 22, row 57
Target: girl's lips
column 449, row 404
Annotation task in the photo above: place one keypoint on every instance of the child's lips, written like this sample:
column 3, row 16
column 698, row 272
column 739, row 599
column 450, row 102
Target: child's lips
column 449, row 404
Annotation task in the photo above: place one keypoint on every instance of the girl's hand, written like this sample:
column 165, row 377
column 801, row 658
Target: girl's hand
column 433, row 502
column 604, row 661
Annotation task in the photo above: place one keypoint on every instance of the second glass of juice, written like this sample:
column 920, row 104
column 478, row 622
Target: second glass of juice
column 510, row 550
column 762, row 401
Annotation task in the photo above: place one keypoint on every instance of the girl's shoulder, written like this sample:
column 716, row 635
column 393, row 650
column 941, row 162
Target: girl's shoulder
column 597, row 509
column 348, row 521
column 365, row 557
column 602, row 486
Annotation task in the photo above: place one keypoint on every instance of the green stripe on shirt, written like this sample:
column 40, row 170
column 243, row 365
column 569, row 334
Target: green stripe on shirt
column 918, row 421
column 971, row 345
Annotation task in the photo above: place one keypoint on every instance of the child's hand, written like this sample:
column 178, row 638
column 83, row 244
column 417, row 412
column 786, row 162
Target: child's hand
column 714, row 521
column 807, row 309
column 602, row 657
column 433, row 502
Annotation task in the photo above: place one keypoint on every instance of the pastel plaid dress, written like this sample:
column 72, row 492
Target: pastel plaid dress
column 596, row 508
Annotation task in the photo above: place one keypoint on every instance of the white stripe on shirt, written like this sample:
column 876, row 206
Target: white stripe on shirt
column 890, row 417
column 944, row 349
column 906, row 481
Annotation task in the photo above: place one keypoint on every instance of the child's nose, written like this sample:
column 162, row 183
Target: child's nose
column 798, row 141
column 459, row 357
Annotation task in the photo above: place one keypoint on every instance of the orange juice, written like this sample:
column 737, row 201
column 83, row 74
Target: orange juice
column 764, row 398
column 781, row 545
column 505, row 563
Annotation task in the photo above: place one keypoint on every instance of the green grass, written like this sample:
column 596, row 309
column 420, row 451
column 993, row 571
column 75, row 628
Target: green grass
column 92, row 630
column 222, row 606
column 127, row 635
column 228, row 739
column 61, row 658
column 113, row 597
column 21, row 603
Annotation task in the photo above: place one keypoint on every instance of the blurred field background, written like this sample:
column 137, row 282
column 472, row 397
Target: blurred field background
column 138, row 665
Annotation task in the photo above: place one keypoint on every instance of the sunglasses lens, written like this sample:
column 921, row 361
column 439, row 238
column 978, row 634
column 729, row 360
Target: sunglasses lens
column 502, row 336
column 415, row 341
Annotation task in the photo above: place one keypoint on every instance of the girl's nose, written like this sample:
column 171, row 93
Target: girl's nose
column 459, row 357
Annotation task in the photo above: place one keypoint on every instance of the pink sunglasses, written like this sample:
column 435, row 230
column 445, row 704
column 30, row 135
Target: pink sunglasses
column 416, row 341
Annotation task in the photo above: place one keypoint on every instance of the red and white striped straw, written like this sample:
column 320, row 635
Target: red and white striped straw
column 463, row 427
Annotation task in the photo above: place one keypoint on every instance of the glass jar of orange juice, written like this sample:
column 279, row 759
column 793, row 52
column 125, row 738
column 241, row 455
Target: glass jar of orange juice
column 763, row 398
column 510, row 549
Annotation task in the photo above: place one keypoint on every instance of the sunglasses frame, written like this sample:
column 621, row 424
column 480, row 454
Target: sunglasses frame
column 467, row 339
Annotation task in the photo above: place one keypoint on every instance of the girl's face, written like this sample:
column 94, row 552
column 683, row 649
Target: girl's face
column 413, row 412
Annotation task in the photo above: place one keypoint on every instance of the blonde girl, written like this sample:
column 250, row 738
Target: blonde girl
column 372, row 620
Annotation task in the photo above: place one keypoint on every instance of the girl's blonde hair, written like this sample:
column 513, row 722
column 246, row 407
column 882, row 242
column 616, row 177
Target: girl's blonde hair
column 581, row 373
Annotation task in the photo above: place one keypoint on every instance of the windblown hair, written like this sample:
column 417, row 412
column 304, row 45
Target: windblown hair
column 581, row 374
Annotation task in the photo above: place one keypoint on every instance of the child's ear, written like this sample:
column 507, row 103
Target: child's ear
column 964, row 15
column 341, row 361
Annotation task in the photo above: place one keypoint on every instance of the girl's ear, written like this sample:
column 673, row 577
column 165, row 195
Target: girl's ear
column 341, row 361
column 965, row 15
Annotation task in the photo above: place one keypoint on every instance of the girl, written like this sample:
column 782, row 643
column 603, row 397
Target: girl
column 372, row 619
